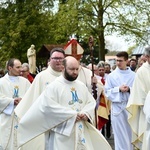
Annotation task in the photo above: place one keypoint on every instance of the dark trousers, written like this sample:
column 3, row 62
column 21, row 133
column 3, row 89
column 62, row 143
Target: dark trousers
column 106, row 130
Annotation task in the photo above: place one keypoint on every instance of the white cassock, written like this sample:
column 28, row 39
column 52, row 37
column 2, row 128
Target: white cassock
column 38, row 85
column 10, row 87
column 136, row 117
column 54, row 113
column 119, row 114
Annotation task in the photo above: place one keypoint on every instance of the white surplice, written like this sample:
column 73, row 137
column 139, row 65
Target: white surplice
column 119, row 115
column 54, row 113
column 136, row 117
column 10, row 87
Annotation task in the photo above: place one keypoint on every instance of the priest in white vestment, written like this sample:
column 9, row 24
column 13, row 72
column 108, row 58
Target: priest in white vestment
column 141, row 87
column 117, row 88
column 39, row 84
column 41, row 81
column 146, row 110
column 73, row 48
column 12, row 89
column 65, row 113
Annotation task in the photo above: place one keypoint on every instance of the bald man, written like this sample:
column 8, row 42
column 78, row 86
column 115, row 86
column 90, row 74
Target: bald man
column 65, row 113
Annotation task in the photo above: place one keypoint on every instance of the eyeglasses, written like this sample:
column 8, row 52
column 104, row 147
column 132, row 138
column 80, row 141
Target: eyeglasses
column 57, row 58
column 119, row 60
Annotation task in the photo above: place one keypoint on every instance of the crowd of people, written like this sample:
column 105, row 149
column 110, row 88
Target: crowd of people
column 66, row 107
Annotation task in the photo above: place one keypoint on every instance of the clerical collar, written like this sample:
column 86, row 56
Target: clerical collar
column 52, row 71
column 67, row 81
column 13, row 78
column 127, row 70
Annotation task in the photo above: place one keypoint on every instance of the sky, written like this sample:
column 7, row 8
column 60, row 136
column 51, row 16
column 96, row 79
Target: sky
column 114, row 43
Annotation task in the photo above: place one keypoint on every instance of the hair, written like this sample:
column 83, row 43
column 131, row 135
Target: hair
column 147, row 51
column 132, row 59
column 107, row 64
column 26, row 65
column 10, row 63
column 1, row 72
column 101, row 65
column 123, row 54
column 57, row 49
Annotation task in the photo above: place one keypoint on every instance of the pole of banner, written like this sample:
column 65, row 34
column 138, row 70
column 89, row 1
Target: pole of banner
column 91, row 46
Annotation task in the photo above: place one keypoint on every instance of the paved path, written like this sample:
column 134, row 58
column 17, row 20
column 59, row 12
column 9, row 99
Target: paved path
column 111, row 141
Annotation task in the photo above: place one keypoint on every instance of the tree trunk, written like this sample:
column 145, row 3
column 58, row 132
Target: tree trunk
column 101, row 40
column 101, row 44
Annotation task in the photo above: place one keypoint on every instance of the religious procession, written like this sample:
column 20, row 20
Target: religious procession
column 72, row 106
column 74, row 75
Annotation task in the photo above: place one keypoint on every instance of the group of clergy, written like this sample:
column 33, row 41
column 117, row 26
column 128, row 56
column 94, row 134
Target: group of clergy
column 58, row 111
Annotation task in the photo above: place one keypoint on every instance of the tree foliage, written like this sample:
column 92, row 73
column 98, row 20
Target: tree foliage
column 100, row 18
column 23, row 23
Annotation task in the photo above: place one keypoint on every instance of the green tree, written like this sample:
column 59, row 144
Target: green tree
column 23, row 23
column 100, row 18
column 130, row 50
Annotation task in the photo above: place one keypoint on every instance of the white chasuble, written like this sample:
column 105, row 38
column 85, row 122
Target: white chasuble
column 146, row 137
column 10, row 87
column 54, row 113
column 38, row 85
column 41, row 81
column 136, row 117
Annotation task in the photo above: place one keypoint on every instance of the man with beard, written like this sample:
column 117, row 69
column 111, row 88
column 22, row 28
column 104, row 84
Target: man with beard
column 65, row 113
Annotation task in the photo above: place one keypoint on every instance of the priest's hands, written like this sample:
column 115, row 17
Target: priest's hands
column 81, row 117
column 17, row 100
column 94, row 80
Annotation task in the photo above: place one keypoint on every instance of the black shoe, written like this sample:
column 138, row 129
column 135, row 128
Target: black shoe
column 108, row 136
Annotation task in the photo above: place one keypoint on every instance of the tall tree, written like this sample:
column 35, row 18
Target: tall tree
column 23, row 23
column 104, row 17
